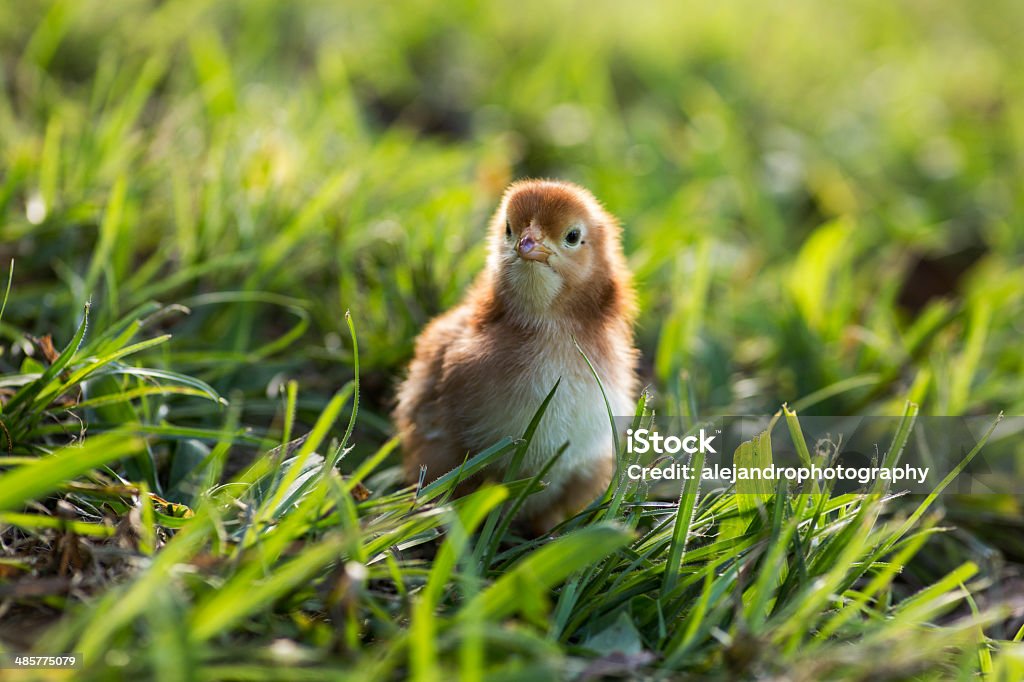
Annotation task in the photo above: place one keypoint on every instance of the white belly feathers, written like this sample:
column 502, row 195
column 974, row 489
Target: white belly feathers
column 576, row 415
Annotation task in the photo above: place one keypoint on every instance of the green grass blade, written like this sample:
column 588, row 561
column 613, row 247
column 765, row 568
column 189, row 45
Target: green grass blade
column 31, row 481
column 474, row 464
column 230, row 606
column 546, row 568
column 681, row 528
column 31, row 390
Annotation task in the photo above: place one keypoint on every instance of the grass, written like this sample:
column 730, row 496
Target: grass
column 198, row 478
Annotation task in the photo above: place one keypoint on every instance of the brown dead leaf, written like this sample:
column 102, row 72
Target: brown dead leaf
column 72, row 555
column 45, row 345
column 361, row 492
column 12, row 567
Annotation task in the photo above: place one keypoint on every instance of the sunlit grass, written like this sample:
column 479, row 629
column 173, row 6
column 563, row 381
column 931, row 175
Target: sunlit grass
column 821, row 206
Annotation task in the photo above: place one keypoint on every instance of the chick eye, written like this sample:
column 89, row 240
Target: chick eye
column 572, row 237
column 508, row 229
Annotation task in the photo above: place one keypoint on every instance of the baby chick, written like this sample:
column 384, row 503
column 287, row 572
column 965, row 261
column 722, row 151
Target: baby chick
column 555, row 271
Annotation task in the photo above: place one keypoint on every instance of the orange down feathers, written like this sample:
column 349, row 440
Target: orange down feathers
column 555, row 271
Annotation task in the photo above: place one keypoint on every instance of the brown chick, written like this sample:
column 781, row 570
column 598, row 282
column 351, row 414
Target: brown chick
column 555, row 271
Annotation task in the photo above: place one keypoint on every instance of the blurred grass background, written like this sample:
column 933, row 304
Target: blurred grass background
column 822, row 202
column 812, row 195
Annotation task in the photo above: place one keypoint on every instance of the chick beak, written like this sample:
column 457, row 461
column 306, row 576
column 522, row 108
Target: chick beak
column 531, row 247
